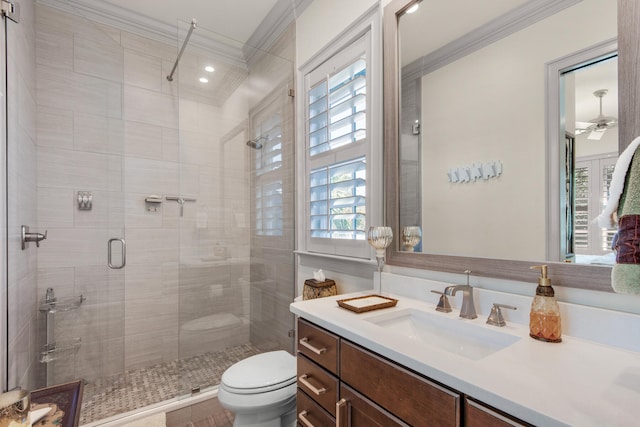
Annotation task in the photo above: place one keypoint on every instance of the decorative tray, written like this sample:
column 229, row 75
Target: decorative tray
column 367, row 303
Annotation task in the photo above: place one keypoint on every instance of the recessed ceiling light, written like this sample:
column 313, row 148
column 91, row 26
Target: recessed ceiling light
column 209, row 69
column 204, row 80
column 413, row 8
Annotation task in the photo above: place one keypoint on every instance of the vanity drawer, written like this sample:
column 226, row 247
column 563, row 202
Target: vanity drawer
column 318, row 345
column 479, row 415
column 310, row 413
column 408, row 396
column 318, row 383
column 358, row 411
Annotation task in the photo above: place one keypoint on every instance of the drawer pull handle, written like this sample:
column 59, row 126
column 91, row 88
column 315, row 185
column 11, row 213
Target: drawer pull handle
column 340, row 406
column 305, row 343
column 317, row 391
column 302, row 416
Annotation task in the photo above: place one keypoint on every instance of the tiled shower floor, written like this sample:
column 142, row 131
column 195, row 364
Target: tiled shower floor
column 135, row 389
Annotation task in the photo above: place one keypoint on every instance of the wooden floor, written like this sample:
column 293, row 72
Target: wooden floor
column 221, row 419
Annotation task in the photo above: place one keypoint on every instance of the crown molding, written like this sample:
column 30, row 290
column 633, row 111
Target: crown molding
column 283, row 13
column 504, row 25
column 274, row 24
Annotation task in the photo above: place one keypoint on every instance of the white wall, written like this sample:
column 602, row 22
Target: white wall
column 323, row 20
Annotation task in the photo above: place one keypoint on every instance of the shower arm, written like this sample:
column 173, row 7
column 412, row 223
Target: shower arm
column 194, row 24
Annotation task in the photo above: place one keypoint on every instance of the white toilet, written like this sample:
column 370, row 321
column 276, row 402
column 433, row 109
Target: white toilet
column 261, row 390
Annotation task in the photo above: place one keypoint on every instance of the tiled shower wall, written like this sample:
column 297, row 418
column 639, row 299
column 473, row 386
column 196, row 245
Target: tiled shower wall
column 109, row 122
column 21, row 154
column 272, row 233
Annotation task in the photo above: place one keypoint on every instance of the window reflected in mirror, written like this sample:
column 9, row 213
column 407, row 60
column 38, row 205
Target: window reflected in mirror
column 590, row 117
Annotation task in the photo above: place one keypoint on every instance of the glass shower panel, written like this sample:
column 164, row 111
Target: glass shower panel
column 79, row 299
column 229, row 300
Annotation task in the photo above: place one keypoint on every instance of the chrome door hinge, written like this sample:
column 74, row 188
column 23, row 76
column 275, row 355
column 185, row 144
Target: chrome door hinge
column 10, row 9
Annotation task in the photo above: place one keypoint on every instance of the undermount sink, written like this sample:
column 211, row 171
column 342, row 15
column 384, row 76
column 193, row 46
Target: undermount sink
column 455, row 336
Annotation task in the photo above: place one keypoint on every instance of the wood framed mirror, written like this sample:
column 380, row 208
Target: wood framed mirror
column 593, row 277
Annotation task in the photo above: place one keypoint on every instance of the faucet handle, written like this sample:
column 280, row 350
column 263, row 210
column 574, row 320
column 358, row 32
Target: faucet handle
column 495, row 317
column 443, row 303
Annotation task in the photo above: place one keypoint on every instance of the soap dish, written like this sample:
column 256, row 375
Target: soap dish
column 367, row 303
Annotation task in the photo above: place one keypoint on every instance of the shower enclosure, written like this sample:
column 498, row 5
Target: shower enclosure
column 169, row 239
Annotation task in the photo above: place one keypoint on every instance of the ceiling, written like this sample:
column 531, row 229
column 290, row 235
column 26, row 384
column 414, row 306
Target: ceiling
column 603, row 75
column 236, row 19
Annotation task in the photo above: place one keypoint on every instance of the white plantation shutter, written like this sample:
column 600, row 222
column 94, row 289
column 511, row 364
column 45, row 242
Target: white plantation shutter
column 592, row 181
column 337, row 109
column 268, row 187
column 338, row 201
column 336, row 153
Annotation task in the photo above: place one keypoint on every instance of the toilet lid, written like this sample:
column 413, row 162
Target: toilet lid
column 261, row 373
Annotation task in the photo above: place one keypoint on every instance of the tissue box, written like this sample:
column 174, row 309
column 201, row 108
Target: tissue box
column 316, row 289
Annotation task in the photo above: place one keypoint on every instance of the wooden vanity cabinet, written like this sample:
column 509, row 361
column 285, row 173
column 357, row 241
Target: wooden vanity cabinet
column 412, row 398
column 374, row 390
column 342, row 384
column 355, row 410
column 312, row 414
column 478, row 414
column 317, row 370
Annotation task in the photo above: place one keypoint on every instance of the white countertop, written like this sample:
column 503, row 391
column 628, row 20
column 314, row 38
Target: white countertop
column 575, row 382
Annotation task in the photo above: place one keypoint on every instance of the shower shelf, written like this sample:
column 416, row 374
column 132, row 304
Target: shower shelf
column 62, row 304
column 55, row 351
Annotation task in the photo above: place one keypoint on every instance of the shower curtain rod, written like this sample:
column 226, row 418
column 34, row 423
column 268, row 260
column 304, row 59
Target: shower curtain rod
column 194, row 24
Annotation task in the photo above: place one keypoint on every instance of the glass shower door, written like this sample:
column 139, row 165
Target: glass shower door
column 66, row 179
column 232, row 273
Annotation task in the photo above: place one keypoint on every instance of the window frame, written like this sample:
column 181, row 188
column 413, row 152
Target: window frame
column 363, row 37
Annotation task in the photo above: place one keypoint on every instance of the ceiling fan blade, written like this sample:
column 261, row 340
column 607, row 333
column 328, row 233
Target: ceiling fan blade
column 596, row 134
column 582, row 127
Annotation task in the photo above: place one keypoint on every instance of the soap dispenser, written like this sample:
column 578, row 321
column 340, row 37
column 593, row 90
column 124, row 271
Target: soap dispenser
column 544, row 320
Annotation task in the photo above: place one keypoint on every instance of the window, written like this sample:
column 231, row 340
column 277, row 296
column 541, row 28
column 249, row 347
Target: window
column 338, row 196
column 592, row 181
column 269, row 174
column 341, row 148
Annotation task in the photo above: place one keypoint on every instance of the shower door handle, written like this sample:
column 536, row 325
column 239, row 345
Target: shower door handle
column 124, row 253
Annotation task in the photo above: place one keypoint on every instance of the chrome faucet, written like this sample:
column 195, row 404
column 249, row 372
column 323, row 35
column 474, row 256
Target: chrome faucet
column 468, row 310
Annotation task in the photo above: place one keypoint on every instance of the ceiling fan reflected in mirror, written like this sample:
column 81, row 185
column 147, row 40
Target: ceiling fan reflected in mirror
column 600, row 124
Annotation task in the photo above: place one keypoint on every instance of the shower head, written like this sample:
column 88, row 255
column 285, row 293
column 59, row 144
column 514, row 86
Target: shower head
column 255, row 143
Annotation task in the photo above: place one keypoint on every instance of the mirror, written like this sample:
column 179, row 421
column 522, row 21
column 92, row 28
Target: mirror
column 466, row 91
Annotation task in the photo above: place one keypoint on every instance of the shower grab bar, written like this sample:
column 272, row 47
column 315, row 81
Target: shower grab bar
column 124, row 253
column 194, row 24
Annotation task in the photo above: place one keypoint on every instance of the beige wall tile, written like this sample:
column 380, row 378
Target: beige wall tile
column 143, row 70
column 145, row 106
column 55, row 207
column 102, row 58
column 150, row 348
column 78, row 92
column 151, row 176
column 55, row 127
column 142, row 140
column 170, row 145
column 54, row 48
column 148, row 46
column 66, row 169
column 149, row 246
column 98, row 134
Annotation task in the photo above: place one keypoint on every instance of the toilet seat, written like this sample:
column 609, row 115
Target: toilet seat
column 261, row 373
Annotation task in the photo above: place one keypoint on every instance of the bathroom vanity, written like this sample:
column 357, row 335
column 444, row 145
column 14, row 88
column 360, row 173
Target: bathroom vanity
column 369, row 390
column 409, row 365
